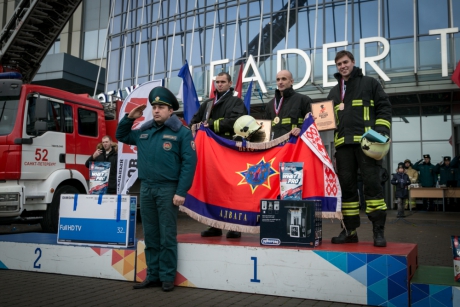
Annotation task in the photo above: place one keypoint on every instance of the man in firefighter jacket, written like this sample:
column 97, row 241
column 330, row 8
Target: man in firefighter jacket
column 427, row 177
column 167, row 160
column 219, row 114
column 107, row 152
column 287, row 109
column 360, row 104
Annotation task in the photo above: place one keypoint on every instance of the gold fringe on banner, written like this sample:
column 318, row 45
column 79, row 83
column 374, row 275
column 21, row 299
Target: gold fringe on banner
column 218, row 224
column 265, row 145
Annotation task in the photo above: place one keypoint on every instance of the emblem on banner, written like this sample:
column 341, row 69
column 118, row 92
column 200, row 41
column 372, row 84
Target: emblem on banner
column 258, row 174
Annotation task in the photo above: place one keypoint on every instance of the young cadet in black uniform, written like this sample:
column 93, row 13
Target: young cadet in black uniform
column 219, row 114
column 360, row 104
column 287, row 109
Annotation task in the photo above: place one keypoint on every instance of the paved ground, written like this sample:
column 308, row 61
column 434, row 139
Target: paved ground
column 430, row 230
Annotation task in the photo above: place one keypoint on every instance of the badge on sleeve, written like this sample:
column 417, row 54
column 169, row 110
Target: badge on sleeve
column 193, row 145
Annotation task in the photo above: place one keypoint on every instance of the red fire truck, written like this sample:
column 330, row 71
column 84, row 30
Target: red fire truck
column 46, row 135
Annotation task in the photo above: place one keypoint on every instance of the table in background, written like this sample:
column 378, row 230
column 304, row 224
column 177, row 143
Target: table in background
column 435, row 193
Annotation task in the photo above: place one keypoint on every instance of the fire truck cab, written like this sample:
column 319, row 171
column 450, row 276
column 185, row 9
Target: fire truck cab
column 46, row 136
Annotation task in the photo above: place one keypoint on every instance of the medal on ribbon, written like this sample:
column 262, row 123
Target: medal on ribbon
column 342, row 95
column 276, row 120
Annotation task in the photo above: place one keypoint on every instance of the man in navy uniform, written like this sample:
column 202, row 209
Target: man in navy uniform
column 447, row 173
column 427, row 178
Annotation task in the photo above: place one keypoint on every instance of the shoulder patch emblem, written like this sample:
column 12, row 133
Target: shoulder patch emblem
column 192, row 143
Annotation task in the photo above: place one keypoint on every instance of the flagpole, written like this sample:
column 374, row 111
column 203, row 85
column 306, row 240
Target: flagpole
column 314, row 43
column 260, row 32
column 139, row 45
column 193, row 32
column 124, row 47
column 173, row 38
column 346, row 19
column 102, row 55
column 213, row 35
column 156, row 41
column 287, row 30
column 236, row 34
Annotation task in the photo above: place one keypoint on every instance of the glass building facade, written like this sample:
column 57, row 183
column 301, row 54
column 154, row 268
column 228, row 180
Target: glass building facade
column 411, row 46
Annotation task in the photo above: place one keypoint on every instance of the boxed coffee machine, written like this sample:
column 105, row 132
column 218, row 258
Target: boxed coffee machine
column 290, row 222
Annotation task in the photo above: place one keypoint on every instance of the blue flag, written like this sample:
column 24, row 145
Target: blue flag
column 247, row 98
column 189, row 96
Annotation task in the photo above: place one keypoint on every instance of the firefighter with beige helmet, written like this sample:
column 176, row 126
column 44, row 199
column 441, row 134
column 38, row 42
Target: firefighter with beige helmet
column 360, row 104
column 413, row 176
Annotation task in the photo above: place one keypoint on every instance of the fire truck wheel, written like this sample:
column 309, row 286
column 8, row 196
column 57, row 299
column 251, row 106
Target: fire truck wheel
column 50, row 219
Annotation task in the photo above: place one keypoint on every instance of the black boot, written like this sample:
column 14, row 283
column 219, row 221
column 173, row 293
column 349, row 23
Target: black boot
column 346, row 237
column 400, row 209
column 211, row 232
column 378, row 219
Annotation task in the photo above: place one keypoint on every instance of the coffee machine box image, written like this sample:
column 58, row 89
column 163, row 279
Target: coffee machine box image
column 290, row 222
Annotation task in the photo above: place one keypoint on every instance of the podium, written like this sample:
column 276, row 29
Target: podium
column 349, row 273
column 40, row 252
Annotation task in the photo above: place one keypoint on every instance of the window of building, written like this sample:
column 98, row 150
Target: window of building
column 87, row 122
column 95, row 21
column 56, row 47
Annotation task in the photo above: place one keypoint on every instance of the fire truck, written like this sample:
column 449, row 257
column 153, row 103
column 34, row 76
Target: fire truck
column 46, row 134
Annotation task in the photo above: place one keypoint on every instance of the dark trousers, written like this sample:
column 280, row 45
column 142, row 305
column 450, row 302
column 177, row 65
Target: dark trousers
column 348, row 159
column 159, row 221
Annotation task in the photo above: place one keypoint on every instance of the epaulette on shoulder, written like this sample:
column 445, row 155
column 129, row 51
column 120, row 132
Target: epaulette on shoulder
column 187, row 127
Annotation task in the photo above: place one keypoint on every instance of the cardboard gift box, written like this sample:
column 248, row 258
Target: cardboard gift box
column 97, row 220
column 290, row 222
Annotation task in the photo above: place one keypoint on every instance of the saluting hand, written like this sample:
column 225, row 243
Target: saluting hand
column 137, row 111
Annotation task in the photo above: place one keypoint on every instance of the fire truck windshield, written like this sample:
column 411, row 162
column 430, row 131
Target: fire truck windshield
column 8, row 113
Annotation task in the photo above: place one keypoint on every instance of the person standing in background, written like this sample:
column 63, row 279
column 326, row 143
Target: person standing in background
column 413, row 176
column 427, row 177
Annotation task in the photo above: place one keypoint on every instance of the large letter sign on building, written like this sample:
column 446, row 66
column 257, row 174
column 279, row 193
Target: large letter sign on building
column 443, row 33
column 327, row 63
column 307, row 62
column 371, row 60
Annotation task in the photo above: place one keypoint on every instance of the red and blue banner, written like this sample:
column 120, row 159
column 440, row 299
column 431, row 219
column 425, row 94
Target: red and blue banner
column 232, row 177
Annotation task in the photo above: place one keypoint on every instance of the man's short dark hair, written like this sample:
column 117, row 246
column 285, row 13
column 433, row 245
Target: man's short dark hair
column 107, row 137
column 343, row 53
column 229, row 78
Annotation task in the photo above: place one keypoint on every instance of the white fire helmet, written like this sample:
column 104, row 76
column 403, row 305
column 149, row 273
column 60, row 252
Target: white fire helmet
column 245, row 126
column 375, row 150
